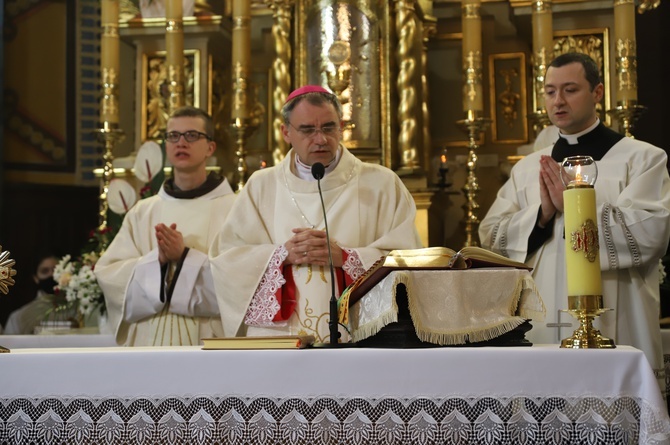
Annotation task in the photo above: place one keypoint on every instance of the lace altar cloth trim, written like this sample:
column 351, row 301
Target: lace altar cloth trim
column 325, row 420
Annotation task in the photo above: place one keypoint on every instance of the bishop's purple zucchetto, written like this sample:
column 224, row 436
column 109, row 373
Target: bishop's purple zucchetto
column 307, row 89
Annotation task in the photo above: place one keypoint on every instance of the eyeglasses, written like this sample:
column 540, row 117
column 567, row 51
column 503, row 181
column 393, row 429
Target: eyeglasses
column 190, row 136
column 308, row 132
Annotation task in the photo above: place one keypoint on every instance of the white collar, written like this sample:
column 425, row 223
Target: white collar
column 304, row 171
column 573, row 138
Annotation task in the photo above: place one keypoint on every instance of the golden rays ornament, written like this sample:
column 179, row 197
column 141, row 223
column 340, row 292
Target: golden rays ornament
column 6, row 271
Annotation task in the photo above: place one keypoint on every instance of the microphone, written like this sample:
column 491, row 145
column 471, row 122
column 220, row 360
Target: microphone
column 318, row 172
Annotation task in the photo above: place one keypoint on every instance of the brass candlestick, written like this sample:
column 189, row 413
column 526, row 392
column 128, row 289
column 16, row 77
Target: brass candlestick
column 586, row 308
column 473, row 125
column 110, row 134
column 627, row 113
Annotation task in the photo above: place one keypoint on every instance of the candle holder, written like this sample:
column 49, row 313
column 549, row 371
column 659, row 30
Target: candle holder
column 110, row 134
column 473, row 125
column 442, row 172
column 627, row 113
column 585, row 300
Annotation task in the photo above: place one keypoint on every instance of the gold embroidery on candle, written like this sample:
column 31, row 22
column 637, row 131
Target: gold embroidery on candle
column 586, row 239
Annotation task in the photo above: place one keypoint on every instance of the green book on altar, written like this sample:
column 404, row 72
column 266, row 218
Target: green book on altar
column 269, row 342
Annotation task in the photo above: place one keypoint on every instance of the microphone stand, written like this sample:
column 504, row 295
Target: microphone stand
column 318, row 172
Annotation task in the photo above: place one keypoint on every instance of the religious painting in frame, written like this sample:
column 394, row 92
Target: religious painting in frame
column 155, row 92
column 595, row 43
column 445, row 81
column 507, row 88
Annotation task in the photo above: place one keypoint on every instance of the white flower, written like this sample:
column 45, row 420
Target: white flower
column 78, row 283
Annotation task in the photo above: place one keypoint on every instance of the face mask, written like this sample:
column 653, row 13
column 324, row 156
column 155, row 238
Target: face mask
column 47, row 285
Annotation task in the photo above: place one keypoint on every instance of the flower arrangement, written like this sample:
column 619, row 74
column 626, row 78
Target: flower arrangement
column 77, row 281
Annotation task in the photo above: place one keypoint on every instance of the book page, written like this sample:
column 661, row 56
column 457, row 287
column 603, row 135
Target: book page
column 427, row 257
column 487, row 256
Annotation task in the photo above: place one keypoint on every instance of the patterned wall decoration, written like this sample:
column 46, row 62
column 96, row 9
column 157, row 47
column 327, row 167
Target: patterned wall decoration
column 89, row 149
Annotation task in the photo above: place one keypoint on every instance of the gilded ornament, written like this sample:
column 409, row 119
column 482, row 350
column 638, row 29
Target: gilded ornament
column 586, row 240
column 6, row 271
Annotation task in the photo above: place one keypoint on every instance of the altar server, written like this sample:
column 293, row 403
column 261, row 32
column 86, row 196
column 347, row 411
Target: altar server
column 270, row 261
column 155, row 274
column 525, row 222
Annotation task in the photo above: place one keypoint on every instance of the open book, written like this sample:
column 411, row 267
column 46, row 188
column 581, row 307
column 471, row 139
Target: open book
column 278, row 342
column 428, row 258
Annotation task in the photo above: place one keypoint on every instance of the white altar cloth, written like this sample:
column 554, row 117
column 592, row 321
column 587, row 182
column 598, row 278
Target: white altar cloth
column 57, row 341
column 608, row 392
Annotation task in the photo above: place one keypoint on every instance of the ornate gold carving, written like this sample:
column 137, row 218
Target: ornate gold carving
column 508, row 98
column 542, row 6
column 6, row 271
column 339, row 77
column 470, row 11
column 472, row 73
column 175, row 86
column 281, row 33
column 647, row 5
column 174, row 26
column 626, row 64
column 160, row 89
column 623, row 2
column 586, row 240
column 109, row 104
column 406, row 26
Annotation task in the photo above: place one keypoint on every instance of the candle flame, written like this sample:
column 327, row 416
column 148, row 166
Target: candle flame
column 578, row 174
column 263, row 164
column 443, row 159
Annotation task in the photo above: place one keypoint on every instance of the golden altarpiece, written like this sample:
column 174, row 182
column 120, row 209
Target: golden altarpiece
column 443, row 92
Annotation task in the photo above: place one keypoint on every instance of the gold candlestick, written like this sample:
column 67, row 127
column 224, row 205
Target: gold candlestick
column 543, row 42
column 471, row 22
column 109, row 131
column 473, row 125
column 627, row 113
column 174, row 52
column 240, row 61
column 110, row 134
column 584, row 283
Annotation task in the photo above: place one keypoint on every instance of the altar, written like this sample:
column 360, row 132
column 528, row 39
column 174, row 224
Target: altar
column 539, row 394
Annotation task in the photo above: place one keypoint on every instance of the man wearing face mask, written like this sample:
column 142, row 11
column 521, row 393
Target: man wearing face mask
column 25, row 319
column 270, row 261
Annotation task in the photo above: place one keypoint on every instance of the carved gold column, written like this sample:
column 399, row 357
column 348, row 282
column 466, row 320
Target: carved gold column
column 241, row 90
column 543, row 50
column 174, row 49
column 281, row 32
column 109, row 131
column 406, row 84
column 627, row 110
column 473, row 105
column 429, row 29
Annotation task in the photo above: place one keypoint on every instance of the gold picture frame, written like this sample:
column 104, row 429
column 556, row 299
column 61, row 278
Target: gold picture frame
column 508, row 104
column 155, row 95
